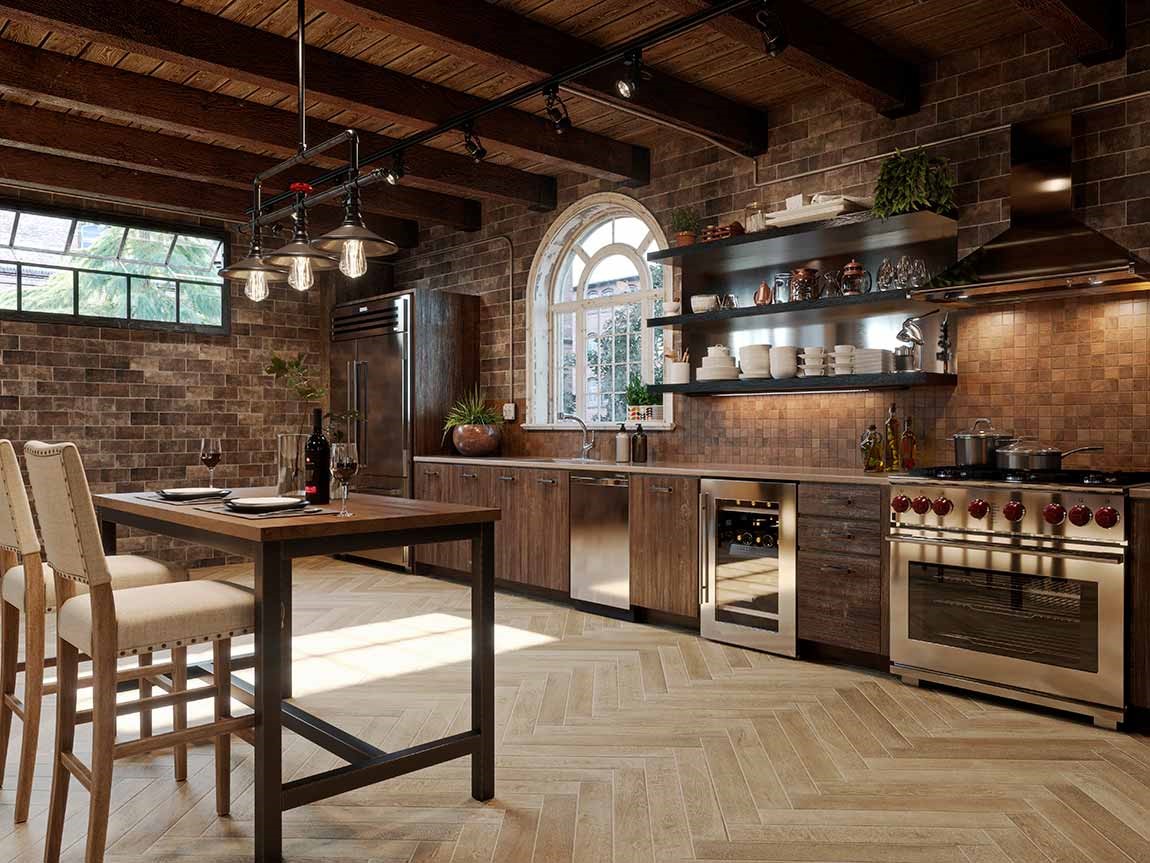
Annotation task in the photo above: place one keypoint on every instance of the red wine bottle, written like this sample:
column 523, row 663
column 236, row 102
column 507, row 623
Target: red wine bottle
column 317, row 462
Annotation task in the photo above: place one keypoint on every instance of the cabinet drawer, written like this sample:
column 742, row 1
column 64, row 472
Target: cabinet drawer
column 839, row 536
column 840, row 600
column 843, row 501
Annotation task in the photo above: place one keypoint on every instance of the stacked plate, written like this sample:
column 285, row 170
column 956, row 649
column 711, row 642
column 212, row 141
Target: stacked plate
column 265, row 504
column 872, row 361
column 842, row 360
column 188, row 494
column 813, row 362
column 718, row 365
column 756, row 362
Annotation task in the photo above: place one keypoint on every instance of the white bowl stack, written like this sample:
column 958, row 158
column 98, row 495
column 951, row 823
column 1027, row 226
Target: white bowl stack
column 718, row 365
column 755, row 361
column 813, row 362
column 872, row 361
column 784, row 362
column 842, row 360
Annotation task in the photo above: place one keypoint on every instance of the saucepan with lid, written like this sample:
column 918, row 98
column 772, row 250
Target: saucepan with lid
column 976, row 446
column 1029, row 454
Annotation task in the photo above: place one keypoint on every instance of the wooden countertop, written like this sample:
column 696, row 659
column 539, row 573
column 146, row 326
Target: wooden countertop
column 732, row 471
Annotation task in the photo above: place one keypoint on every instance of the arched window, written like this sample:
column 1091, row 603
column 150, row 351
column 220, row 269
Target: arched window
column 592, row 290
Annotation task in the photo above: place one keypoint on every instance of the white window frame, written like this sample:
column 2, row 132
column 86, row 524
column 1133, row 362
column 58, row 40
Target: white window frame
column 563, row 239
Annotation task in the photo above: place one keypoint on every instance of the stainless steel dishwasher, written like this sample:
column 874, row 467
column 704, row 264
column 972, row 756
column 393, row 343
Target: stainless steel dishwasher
column 601, row 542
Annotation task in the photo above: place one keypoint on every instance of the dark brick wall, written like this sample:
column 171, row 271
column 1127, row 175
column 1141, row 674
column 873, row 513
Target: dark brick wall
column 137, row 402
column 1072, row 372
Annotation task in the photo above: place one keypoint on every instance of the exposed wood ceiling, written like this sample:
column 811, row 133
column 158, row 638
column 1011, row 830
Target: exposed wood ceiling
column 221, row 73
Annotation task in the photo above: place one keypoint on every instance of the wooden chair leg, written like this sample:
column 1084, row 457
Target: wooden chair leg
column 180, row 711
column 103, row 755
column 67, row 673
column 145, row 692
column 9, row 656
column 222, row 669
column 34, row 634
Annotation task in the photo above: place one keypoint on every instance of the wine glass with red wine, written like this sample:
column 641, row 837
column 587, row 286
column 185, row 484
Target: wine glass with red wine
column 210, row 455
column 344, row 466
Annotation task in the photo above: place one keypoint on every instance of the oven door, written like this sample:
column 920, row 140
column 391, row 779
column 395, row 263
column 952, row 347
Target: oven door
column 1047, row 620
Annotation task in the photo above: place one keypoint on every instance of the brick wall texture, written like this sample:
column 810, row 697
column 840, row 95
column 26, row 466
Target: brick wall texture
column 1073, row 372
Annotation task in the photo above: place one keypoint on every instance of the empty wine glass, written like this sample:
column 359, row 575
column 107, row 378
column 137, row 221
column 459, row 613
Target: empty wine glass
column 344, row 466
column 210, row 455
column 885, row 280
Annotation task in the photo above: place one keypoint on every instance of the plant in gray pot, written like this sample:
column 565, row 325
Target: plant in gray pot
column 475, row 428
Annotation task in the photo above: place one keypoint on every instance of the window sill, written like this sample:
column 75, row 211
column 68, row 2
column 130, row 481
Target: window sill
column 574, row 427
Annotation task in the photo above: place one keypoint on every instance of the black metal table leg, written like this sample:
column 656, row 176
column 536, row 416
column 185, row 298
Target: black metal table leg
column 286, row 629
column 108, row 536
column 483, row 661
column 269, row 693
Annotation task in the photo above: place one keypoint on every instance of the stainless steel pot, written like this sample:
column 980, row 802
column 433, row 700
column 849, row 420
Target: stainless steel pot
column 1028, row 455
column 976, row 446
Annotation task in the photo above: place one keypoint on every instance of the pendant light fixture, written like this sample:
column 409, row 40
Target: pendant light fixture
column 255, row 271
column 300, row 258
column 352, row 240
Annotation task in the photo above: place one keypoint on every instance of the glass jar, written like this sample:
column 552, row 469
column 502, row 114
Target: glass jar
column 755, row 217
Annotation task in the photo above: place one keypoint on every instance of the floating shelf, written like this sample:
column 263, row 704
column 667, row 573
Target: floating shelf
column 797, row 314
column 832, row 383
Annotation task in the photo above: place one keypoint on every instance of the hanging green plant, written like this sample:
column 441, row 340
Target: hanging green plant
column 913, row 181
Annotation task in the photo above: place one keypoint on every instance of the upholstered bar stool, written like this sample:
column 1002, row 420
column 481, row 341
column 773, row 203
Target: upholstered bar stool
column 28, row 588
column 107, row 624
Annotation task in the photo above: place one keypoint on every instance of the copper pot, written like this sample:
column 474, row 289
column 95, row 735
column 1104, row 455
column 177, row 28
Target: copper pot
column 476, row 440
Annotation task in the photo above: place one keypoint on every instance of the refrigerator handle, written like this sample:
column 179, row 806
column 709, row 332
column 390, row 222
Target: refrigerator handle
column 704, row 549
column 361, row 400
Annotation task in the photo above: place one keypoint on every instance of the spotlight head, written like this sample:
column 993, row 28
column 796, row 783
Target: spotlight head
column 395, row 173
column 772, row 29
column 628, row 84
column 557, row 111
column 473, row 145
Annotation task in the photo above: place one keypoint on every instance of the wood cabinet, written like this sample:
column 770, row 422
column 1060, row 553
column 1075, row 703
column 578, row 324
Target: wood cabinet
column 664, row 526
column 1138, row 620
column 842, row 567
column 440, row 482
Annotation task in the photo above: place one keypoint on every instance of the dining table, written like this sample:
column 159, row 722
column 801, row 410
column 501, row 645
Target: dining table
column 272, row 543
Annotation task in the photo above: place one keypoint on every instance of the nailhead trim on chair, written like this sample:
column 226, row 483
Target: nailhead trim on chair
column 184, row 642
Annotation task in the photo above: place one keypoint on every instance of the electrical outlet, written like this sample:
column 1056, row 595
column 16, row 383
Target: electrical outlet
column 509, row 411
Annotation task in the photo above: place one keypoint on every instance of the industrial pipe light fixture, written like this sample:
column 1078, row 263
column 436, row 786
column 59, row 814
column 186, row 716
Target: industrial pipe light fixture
column 633, row 74
column 254, row 271
column 299, row 256
column 557, row 110
column 473, row 145
column 352, row 240
column 772, row 29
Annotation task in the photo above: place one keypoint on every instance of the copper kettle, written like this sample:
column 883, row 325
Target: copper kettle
column 765, row 295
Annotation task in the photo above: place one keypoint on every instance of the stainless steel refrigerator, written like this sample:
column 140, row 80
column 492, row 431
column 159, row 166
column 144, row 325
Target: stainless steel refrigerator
column 399, row 361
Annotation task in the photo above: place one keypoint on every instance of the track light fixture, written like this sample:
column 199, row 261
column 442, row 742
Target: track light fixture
column 299, row 256
column 473, row 145
column 633, row 75
column 557, row 110
column 352, row 240
column 772, row 29
column 395, row 173
column 254, row 271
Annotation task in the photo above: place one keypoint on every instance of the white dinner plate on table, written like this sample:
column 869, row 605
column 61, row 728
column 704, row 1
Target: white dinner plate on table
column 191, row 493
column 265, row 504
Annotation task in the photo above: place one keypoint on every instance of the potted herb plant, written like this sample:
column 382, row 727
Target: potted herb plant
column 643, row 406
column 474, row 426
column 685, row 224
column 913, row 181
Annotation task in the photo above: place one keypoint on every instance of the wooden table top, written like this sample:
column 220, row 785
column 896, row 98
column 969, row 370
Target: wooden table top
column 372, row 514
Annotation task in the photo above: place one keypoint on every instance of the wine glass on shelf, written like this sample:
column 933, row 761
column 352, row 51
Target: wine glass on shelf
column 344, row 466
column 210, row 455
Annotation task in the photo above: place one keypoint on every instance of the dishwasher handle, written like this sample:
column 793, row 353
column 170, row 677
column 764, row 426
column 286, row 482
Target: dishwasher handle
column 610, row 481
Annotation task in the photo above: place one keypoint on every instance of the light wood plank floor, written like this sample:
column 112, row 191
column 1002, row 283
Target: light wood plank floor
column 621, row 742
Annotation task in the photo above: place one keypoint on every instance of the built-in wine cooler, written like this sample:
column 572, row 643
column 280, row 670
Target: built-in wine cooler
column 747, row 562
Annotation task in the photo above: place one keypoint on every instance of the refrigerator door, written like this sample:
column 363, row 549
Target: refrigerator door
column 380, row 390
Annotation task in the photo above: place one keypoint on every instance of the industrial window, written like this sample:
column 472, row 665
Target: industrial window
column 86, row 269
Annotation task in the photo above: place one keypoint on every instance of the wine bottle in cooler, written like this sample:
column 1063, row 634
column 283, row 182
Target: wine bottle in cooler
column 317, row 462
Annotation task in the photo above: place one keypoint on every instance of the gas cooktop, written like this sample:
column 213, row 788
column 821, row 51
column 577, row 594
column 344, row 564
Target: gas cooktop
column 1066, row 478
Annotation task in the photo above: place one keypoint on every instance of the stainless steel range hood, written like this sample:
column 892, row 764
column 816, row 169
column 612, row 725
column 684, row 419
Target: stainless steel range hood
column 1047, row 251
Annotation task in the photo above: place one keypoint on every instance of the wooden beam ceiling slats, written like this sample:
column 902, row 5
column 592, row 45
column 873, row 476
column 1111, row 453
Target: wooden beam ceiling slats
column 99, row 181
column 77, row 84
column 68, row 135
column 183, row 35
column 1092, row 29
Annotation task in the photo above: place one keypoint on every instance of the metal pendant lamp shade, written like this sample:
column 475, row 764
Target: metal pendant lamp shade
column 255, row 271
column 300, row 257
column 353, row 241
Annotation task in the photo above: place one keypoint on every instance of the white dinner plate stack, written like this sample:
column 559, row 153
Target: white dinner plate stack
column 755, row 361
column 842, row 360
column 718, row 365
column 872, row 361
column 813, row 362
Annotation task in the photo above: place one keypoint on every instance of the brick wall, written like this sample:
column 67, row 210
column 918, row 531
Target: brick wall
column 1073, row 372
column 137, row 402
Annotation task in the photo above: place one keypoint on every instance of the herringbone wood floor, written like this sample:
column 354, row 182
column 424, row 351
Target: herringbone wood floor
column 621, row 742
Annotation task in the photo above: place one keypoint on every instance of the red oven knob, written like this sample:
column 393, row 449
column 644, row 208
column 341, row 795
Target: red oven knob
column 978, row 508
column 1013, row 510
column 942, row 506
column 1080, row 515
column 900, row 503
column 921, row 505
column 1106, row 516
column 1054, row 513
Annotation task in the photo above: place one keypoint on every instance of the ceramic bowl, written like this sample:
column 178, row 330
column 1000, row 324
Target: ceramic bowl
column 704, row 303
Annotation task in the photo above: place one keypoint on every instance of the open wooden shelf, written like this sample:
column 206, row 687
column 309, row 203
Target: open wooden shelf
column 832, row 383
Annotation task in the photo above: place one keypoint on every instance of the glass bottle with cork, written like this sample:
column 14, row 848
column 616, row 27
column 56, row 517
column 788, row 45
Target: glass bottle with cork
column 891, row 428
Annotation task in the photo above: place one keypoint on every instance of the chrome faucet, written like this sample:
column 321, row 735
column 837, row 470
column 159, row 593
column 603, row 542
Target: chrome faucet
column 588, row 435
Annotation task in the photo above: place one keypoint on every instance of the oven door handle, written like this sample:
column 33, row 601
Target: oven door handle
column 1097, row 556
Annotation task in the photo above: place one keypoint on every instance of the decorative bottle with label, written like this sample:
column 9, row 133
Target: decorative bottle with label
column 891, row 427
column 622, row 445
column 908, row 446
column 871, row 447
column 317, row 462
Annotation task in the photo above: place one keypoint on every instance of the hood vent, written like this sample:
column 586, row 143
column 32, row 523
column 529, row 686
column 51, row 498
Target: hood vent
column 1047, row 251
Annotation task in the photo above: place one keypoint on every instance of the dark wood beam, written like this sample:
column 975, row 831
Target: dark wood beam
column 1093, row 29
column 47, row 131
column 71, row 83
column 98, row 181
column 491, row 36
column 180, row 34
column 827, row 50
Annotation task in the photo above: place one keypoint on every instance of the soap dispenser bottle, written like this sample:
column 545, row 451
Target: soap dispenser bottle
column 622, row 445
column 639, row 445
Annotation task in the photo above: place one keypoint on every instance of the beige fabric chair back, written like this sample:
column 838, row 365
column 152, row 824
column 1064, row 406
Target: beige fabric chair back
column 68, row 523
column 17, row 531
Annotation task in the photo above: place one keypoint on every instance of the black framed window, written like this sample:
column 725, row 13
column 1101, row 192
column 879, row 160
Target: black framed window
column 79, row 267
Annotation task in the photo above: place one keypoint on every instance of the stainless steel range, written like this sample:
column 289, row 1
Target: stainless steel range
column 1012, row 584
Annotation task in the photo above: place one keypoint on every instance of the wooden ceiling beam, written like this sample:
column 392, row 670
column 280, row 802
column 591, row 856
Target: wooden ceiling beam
column 1093, row 29
column 828, row 51
column 491, row 36
column 75, row 84
column 99, row 181
column 48, row 131
column 199, row 40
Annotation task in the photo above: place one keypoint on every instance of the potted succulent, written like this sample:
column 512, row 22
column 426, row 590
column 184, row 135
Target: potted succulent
column 909, row 182
column 643, row 406
column 685, row 223
column 474, row 426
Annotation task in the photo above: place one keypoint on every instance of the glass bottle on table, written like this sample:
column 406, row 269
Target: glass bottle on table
column 210, row 454
column 344, row 467
column 317, row 462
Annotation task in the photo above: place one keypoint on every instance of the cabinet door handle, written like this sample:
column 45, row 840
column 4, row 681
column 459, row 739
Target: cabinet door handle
column 431, row 473
column 704, row 548
column 845, row 570
column 468, row 475
column 662, row 489
column 547, row 481
column 505, row 478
